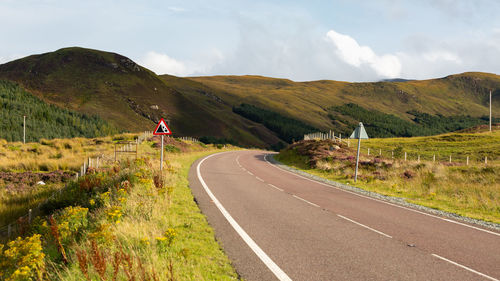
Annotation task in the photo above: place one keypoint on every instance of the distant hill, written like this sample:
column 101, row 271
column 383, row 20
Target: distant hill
column 458, row 95
column 129, row 96
column 237, row 108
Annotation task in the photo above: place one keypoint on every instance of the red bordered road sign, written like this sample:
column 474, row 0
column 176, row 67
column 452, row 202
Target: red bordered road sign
column 162, row 128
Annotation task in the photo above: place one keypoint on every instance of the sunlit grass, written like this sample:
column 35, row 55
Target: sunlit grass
column 149, row 213
column 472, row 191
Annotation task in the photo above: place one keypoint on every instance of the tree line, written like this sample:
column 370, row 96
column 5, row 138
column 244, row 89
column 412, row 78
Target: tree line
column 287, row 129
column 382, row 125
column 43, row 120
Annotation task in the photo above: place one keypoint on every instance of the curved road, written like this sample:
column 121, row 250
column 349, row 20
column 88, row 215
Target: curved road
column 275, row 225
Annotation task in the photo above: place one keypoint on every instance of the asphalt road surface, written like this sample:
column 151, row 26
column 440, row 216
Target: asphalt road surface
column 275, row 225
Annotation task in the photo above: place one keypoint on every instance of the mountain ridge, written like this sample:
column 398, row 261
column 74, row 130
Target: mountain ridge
column 132, row 97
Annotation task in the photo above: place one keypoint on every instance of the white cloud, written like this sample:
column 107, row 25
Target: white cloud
column 163, row 64
column 436, row 56
column 348, row 49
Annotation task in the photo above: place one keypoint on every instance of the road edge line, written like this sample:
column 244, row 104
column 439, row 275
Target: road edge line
column 379, row 200
column 275, row 269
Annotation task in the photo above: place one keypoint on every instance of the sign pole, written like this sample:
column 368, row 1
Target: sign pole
column 161, row 159
column 490, row 110
column 357, row 159
column 359, row 133
column 24, row 124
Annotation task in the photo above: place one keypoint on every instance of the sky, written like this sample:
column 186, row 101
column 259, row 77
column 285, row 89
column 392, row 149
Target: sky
column 346, row 40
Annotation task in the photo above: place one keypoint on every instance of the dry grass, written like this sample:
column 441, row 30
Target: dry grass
column 472, row 191
column 152, row 212
column 55, row 154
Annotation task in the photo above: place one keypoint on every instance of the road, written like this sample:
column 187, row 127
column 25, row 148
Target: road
column 275, row 225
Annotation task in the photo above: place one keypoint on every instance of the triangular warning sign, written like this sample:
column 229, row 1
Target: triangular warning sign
column 162, row 128
column 359, row 132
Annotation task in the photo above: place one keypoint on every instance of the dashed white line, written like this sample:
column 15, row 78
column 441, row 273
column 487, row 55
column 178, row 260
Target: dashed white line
column 250, row 173
column 466, row 268
column 275, row 269
column 381, row 201
column 259, row 179
column 273, row 186
column 367, row 227
column 308, row 202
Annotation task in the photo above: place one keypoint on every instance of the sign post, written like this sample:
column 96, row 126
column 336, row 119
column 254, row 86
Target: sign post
column 162, row 129
column 359, row 133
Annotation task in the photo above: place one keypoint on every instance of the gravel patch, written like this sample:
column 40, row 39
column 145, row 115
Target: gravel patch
column 391, row 199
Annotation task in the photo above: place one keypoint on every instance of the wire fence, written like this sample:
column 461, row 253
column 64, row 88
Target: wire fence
column 400, row 154
column 22, row 223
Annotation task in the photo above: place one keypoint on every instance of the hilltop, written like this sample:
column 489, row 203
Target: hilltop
column 315, row 102
column 129, row 96
column 238, row 109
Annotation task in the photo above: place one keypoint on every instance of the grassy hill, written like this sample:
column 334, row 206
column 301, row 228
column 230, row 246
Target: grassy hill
column 133, row 98
column 312, row 102
column 127, row 95
column 43, row 120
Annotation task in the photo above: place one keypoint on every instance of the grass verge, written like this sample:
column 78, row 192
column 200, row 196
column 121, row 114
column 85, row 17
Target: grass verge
column 471, row 191
column 123, row 222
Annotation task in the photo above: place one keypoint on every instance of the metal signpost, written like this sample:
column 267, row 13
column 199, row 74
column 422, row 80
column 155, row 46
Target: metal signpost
column 162, row 129
column 359, row 133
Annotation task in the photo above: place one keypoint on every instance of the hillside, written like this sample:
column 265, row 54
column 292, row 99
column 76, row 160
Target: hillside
column 312, row 102
column 237, row 109
column 127, row 95
column 43, row 120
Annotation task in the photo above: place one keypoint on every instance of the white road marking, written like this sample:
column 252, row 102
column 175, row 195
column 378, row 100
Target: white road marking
column 275, row 269
column 259, row 179
column 466, row 268
column 274, row 186
column 250, row 173
column 360, row 224
column 308, row 202
column 388, row 203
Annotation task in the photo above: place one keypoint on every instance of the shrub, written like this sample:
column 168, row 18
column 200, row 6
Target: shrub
column 23, row 259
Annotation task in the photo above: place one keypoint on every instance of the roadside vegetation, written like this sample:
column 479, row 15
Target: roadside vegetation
column 382, row 125
column 470, row 190
column 54, row 162
column 122, row 221
column 43, row 120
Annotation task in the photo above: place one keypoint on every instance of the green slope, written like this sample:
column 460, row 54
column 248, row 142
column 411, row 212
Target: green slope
column 311, row 102
column 129, row 96
column 133, row 98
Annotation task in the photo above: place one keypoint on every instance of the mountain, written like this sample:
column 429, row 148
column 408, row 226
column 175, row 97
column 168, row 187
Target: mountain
column 129, row 96
column 315, row 102
column 239, row 108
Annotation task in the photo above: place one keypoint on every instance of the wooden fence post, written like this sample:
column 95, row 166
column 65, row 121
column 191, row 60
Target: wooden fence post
column 467, row 160
column 405, row 155
column 368, row 151
column 434, row 158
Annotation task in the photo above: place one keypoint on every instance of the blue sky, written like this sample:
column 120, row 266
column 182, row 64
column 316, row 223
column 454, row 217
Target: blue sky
column 357, row 40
